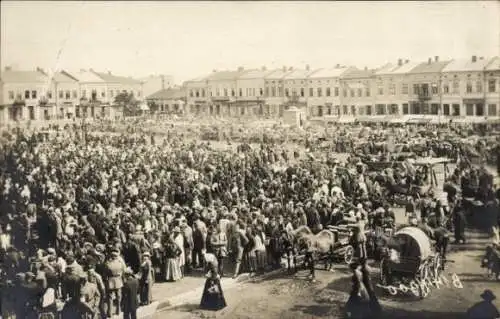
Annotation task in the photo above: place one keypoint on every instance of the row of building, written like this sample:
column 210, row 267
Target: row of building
column 461, row 90
column 38, row 95
column 467, row 90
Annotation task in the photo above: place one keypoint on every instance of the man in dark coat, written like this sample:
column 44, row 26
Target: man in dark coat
column 459, row 223
column 130, row 291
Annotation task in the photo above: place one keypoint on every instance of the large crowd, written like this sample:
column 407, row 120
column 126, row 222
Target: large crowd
column 90, row 221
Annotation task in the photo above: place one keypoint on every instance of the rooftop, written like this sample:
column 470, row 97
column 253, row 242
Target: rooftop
column 405, row 68
column 354, row 73
column 23, row 76
column 328, row 73
column 467, row 65
column 386, row 69
column 277, row 74
column 256, row 74
column 85, row 76
column 298, row 74
column 432, row 67
column 63, row 77
column 225, row 75
column 167, row 94
column 111, row 78
column 494, row 64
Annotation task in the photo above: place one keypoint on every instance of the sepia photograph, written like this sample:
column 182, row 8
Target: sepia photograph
column 250, row 159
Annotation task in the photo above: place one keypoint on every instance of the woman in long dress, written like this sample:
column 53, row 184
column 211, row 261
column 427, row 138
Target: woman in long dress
column 179, row 240
column 213, row 297
column 172, row 253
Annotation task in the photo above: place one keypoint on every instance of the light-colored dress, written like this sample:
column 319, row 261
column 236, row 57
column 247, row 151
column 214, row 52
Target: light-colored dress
column 179, row 240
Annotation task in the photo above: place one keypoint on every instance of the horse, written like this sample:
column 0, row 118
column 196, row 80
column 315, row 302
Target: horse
column 321, row 243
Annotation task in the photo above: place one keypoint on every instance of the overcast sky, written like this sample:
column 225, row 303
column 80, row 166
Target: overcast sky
column 190, row 39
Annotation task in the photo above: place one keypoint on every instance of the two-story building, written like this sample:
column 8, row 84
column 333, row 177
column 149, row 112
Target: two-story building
column 295, row 85
column 492, row 87
column 323, row 91
column 463, row 88
column 197, row 96
column 250, row 100
column 223, row 92
column 21, row 94
column 62, row 98
column 356, row 93
column 425, row 83
column 274, row 91
column 93, row 93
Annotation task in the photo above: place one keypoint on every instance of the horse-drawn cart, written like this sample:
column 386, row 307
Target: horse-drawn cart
column 410, row 262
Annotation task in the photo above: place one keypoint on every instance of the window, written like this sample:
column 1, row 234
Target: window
column 456, row 110
column 336, row 90
column 273, row 91
column 197, row 93
column 225, row 92
column 110, row 93
column 267, row 91
column 280, row 91
column 328, row 92
column 492, row 110
column 456, row 87
column 320, row 92
column 345, row 92
column 469, row 87
column 353, row 110
column 311, row 92
column 360, row 92
column 49, row 94
column 405, row 107
column 380, row 90
column 353, row 93
column 191, row 94
column 202, row 92
column 434, row 88
column 302, row 92
column 392, row 89
column 103, row 93
column 84, row 93
column 261, row 92
column 241, row 92
column 404, row 88
column 33, row 94
column 344, row 109
column 434, row 109
column 287, row 92
column 469, row 109
column 27, row 94
column 368, row 92
column 425, row 108
column 380, row 109
column 446, row 109
column 11, row 95
column 61, row 94
column 479, row 86
column 480, row 109
column 492, row 86
column 368, row 110
column 446, row 88
column 217, row 92
column 416, row 89
column 67, row 95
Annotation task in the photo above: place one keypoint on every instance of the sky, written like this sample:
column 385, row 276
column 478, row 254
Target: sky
column 190, row 39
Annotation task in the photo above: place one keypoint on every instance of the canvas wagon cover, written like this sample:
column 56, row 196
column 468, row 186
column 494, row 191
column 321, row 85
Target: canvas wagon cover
column 420, row 245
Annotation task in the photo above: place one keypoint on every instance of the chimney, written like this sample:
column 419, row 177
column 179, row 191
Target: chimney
column 429, row 61
column 481, row 58
column 400, row 62
column 284, row 68
column 290, row 68
column 8, row 68
column 240, row 69
column 474, row 58
column 406, row 61
column 308, row 67
column 214, row 70
column 264, row 68
column 337, row 66
column 436, row 58
column 366, row 68
column 109, row 72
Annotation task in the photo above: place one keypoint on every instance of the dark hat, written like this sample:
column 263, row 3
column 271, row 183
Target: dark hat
column 488, row 295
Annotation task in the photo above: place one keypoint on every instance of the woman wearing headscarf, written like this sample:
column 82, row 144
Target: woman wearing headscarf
column 172, row 252
column 213, row 297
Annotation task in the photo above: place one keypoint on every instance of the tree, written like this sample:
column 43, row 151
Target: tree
column 128, row 102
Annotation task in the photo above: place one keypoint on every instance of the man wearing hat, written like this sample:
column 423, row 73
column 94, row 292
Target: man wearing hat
column 115, row 268
column 130, row 291
column 484, row 309
column 90, row 297
column 147, row 275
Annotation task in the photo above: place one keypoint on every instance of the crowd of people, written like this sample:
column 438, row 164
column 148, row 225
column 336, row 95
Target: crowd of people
column 89, row 222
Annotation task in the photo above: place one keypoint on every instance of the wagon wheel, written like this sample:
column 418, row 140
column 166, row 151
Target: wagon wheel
column 348, row 254
column 423, row 288
column 437, row 266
